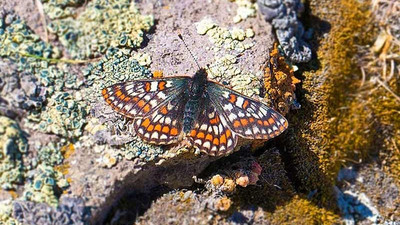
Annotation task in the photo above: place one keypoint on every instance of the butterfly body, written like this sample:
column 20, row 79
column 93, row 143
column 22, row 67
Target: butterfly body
column 196, row 95
column 210, row 116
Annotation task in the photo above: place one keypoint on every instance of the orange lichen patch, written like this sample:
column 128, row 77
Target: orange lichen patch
column 63, row 168
column 165, row 129
column 164, row 110
column 244, row 122
column 232, row 98
column 157, row 127
column 174, row 131
column 209, row 137
column 217, row 180
column 147, row 86
column 279, row 82
column 67, row 150
column 13, row 194
column 236, row 124
column 200, row 135
column 245, row 104
column 146, row 122
column 158, row 74
column 161, row 85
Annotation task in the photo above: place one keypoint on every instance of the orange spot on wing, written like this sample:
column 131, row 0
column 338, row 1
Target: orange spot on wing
column 281, row 128
column 147, row 87
column 193, row 133
column 215, row 120
column 216, row 141
column 165, row 129
column 245, row 122
column 164, row 110
column 200, row 135
column 135, row 99
column 251, row 119
column 266, row 123
column 150, row 128
column 157, row 127
column 146, row 108
column 127, row 99
column 118, row 93
column 236, row 124
column 106, row 96
column 209, row 137
column 104, row 91
column 146, row 122
column 222, row 139
column 245, row 104
column 141, row 103
column 174, row 131
column 260, row 122
column 108, row 101
column 232, row 98
column 161, row 85
column 122, row 96
column 228, row 133
column 271, row 121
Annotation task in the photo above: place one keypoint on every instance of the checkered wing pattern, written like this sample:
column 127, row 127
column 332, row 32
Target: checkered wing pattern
column 246, row 117
column 212, row 134
column 142, row 97
column 164, row 125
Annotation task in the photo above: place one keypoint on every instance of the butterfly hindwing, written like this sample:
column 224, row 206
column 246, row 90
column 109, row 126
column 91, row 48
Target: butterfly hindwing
column 246, row 117
column 139, row 98
column 211, row 133
column 164, row 125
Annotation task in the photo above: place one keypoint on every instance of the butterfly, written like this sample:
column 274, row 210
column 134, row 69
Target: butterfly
column 208, row 115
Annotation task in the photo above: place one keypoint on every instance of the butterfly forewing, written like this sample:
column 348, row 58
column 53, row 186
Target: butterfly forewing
column 211, row 133
column 164, row 125
column 139, row 98
column 246, row 117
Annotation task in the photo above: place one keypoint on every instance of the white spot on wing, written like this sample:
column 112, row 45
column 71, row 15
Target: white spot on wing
column 207, row 144
column 154, row 135
column 163, row 136
column 228, row 107
column 153, row 86
column 203, row 127
column 239, row 101
column 167, row 120
column 248, row 132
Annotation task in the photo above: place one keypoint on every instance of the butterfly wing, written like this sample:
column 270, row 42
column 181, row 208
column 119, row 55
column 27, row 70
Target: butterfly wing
column 211, row 133
column 164, row 125
column 247, row 117
column 140, row 98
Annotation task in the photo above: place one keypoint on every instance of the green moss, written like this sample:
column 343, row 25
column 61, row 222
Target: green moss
column 301, row 211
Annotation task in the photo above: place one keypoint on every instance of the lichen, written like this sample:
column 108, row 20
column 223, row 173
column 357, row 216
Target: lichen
column 14, row 146
column 245, row 9
column 6, row 210
column 101, row 25
column 222, row 37
column 280, row 83
column 44, row 184
column 64, row 115
column 283, row 15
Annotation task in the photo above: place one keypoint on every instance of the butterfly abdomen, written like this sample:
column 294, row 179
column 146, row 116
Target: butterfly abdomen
column 191, row 113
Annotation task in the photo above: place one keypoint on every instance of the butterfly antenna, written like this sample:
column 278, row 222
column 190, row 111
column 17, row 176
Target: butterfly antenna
column 187, row 48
